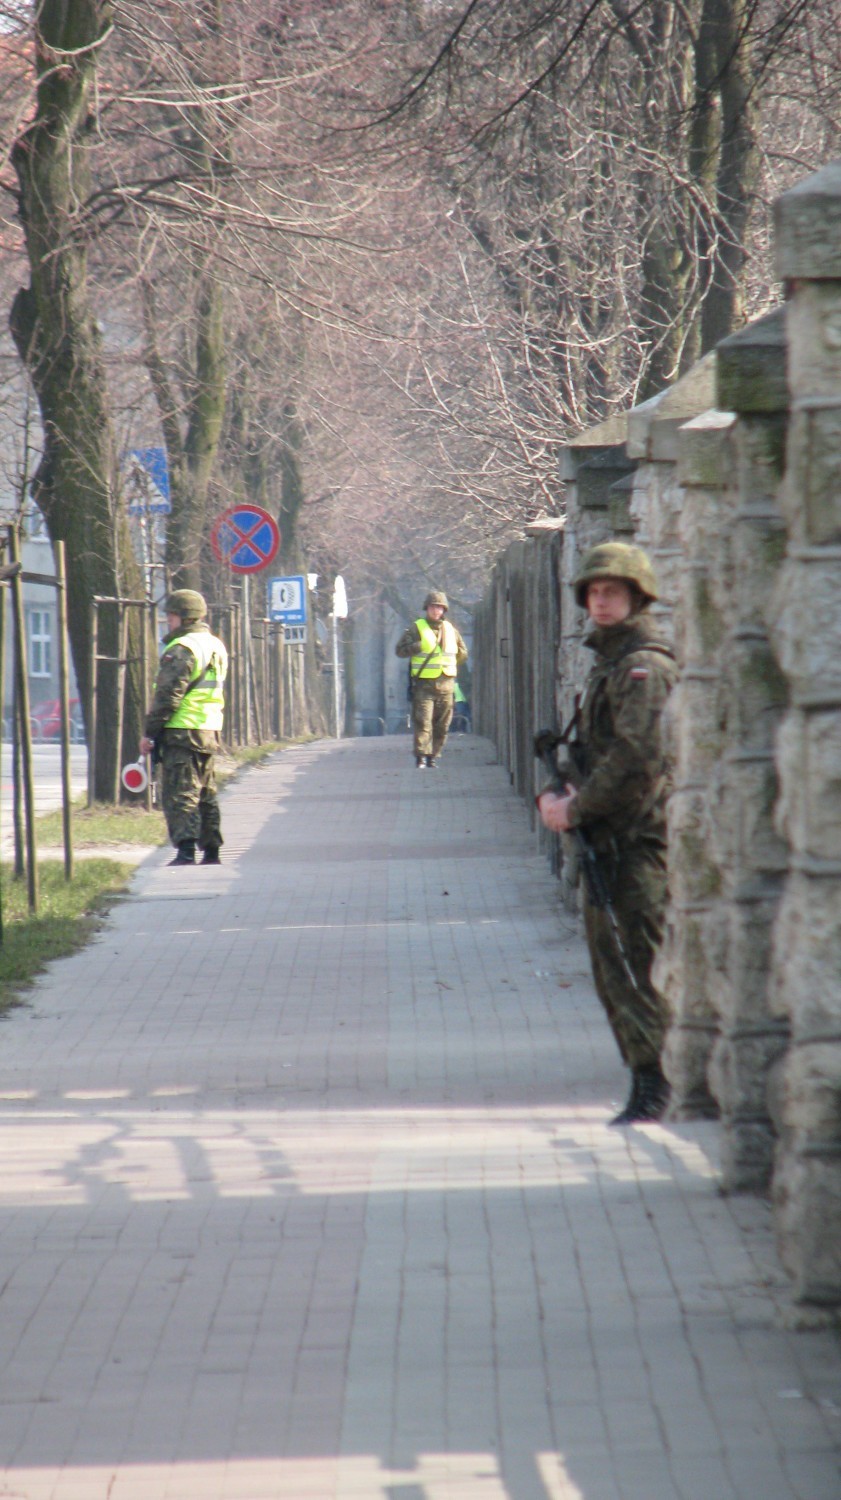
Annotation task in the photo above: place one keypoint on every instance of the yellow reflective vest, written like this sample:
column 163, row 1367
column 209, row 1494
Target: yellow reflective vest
column 442, row 658
column 202, row 706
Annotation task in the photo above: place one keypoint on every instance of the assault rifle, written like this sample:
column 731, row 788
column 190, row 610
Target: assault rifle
column 546, row 743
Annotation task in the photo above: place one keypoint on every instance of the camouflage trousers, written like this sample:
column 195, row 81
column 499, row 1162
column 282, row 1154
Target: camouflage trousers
column 188, row 795
column 432, row 713
column 638, row 888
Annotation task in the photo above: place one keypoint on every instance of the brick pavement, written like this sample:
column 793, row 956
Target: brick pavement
column 306, row 1189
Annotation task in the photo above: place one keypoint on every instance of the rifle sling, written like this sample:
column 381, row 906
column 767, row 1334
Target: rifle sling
column 414, row 676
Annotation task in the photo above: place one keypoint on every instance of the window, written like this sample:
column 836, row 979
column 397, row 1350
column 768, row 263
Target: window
column 40, row 643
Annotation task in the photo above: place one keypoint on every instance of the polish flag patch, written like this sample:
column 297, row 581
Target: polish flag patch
column 637, row 673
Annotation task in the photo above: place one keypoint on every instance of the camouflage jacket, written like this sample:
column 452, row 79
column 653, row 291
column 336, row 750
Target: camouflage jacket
column 171, row 683
column 622, row 765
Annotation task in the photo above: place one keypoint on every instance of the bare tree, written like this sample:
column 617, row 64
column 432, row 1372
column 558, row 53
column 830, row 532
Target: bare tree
column 376, row 262
column 58, row 338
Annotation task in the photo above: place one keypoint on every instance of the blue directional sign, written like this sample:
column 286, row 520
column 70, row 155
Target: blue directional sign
column 288, row 600
column 148, row 482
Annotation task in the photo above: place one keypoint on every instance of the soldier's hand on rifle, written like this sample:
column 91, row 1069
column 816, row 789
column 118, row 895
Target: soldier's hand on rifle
column 554, row 809
column 146, row 745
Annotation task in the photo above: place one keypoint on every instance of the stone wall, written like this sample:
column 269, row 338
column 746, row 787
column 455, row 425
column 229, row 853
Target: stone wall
column 731, row 480
column 806, row 990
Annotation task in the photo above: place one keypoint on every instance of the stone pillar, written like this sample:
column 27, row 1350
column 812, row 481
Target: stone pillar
column 678, row 530
column 807, row 959
column 694, row 944
column 752, row 856
column 657, row 501
column 591, row 465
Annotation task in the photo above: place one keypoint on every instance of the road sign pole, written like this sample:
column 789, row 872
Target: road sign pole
column 339, row 613
column 245, row 538
column 336, row 693
column 246, row 642
column 64, row 695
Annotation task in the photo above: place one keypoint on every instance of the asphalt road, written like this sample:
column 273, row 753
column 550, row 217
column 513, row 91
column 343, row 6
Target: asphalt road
column 47, row 771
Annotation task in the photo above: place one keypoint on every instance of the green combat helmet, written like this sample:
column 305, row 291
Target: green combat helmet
column 616, row 560
column 188, row 604
column 436, row 597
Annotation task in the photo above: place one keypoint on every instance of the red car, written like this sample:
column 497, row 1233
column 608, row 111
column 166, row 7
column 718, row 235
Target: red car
column 45, row 721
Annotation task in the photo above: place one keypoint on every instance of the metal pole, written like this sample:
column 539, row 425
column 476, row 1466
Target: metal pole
column 17, row 789
column 246, row 652
column 288, row 692
column 241, row 675
column 122, row 666
column 2, row 700
column 25, row 726
column 147, row 621
column 265, row 697
column 233, row 656
column 255, row 698
column 223, row 629
column 278, row 682
column 257, row 706
column 92, row 703
column 336, row 692
column 64, row 697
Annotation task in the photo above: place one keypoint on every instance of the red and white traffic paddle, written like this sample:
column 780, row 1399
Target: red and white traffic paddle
column 134, row 777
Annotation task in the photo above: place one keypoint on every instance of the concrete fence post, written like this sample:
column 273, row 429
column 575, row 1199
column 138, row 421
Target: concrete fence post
column 807, row 636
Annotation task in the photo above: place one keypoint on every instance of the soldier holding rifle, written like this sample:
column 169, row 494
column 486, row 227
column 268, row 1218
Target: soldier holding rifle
column 612, row 797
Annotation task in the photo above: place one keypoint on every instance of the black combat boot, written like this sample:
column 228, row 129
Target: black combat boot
column 626, row 1115
column 186, row 853
column 431, row 763
column 648, row 1099
column 211, row 855
column 420, row 762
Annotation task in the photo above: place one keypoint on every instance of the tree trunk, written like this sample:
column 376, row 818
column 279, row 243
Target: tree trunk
column 738, row 168
column 187, row 533
column 308, row 714
column 58, row 338
column 663, row 311
column 191, row 435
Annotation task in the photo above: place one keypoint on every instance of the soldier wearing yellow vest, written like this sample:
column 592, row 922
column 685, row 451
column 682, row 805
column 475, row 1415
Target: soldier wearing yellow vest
column 185, row 721
column 435, row 650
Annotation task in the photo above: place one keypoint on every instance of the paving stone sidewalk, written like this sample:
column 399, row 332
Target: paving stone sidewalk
column 306, row 1189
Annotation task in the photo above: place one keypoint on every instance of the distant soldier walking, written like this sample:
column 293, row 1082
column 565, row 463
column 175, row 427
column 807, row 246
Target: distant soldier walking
column 436, row 650
column 617, row 798
column 184, row 723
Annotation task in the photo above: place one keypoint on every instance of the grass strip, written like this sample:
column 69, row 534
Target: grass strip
column 69, row 913
column 103, row 824
column 129, row 822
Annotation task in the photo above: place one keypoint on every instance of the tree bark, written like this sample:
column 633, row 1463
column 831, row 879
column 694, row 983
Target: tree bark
column 58, row 338
column 738, row 168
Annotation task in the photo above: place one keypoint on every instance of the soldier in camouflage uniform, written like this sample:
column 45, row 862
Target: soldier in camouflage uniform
column 184, row 723
column 436, row 650
column 617, row 797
